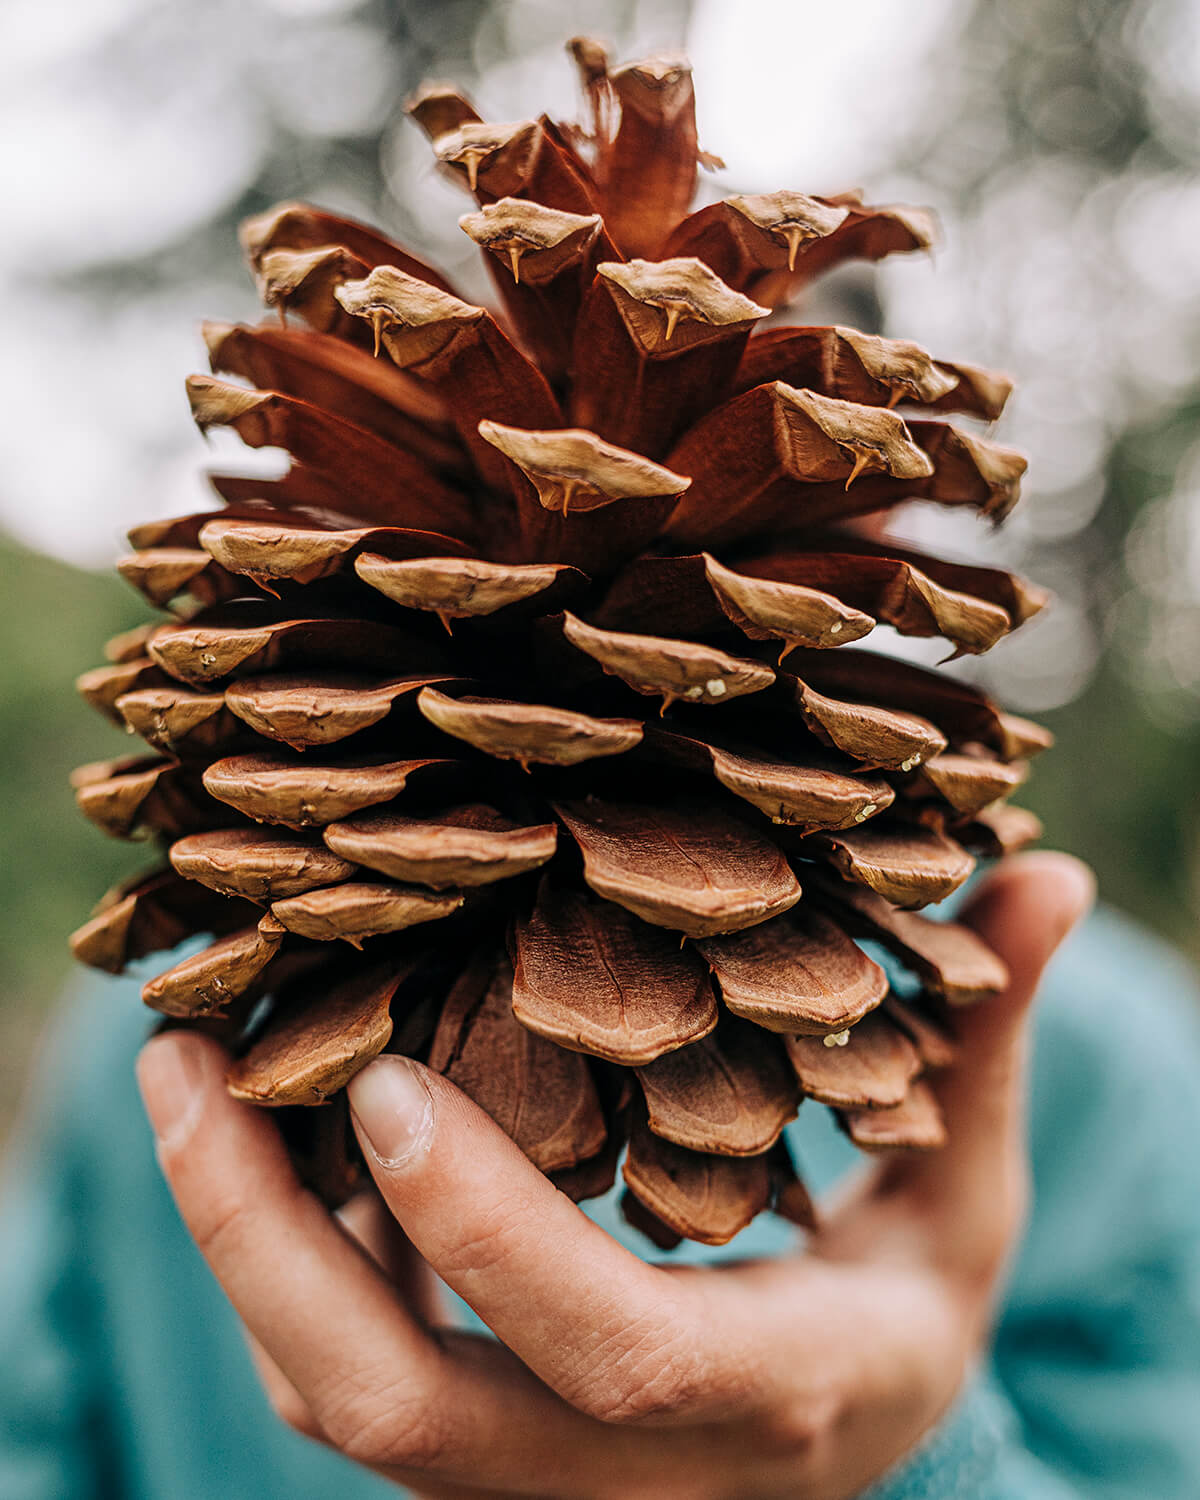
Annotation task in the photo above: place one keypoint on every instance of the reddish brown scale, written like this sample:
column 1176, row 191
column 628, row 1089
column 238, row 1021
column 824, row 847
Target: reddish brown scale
column 530, row 724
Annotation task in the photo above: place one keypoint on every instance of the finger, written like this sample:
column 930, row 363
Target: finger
column 610, row 1333
column 266, row 1238
column 1023, row 911
column 377, row 1385
column 286, row 1401
column 367, row 1221
column 291, row 1407
column 975, row 1185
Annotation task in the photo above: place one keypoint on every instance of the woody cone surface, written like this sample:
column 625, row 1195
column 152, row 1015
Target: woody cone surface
column 526, row 725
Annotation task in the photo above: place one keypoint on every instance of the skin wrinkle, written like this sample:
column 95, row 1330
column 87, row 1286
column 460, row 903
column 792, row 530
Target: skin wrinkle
column 370, row 1412
column 486, row 1248
column 606, row 1372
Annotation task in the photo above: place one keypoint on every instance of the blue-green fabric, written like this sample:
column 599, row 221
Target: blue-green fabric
column 125, row 1377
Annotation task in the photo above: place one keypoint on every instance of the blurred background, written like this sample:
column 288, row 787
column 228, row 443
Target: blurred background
column 1058, row 139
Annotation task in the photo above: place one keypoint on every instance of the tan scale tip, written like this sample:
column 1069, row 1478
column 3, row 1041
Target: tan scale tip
column 214, row 335
column 590, row 56
column 574, row 470
column 439, row 108
column 395, row 298
column 515, row 227
column 874, row 437
column 260, row 232
column 659, row 87
column 792, row 217
column 218, row 403
column 474, row 145
column 901, row 364
column 683, row 287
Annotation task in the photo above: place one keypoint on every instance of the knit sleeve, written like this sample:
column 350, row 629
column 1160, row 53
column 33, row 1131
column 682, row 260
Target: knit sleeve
column 49, row 1409
column 975, row 1453
column 1094, row 1383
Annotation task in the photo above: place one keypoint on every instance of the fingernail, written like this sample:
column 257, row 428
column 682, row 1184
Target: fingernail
column 393, row 1109
column 171, row 1075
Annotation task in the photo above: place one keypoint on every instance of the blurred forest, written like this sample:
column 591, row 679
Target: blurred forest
column 52, row 865
column 1058, row 138
column 1063, row 149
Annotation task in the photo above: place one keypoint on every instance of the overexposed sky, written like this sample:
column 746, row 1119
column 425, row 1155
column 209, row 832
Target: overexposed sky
column 808, row 94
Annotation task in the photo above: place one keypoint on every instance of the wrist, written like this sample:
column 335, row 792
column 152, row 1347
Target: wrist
column 958, row 1458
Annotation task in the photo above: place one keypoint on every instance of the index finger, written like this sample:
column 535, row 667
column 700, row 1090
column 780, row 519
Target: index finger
column 378, row 1385
column 611, row 1334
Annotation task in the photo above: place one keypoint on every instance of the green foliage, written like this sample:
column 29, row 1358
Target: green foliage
column 1120, row 788
column 1115, row 791
column 53, row 864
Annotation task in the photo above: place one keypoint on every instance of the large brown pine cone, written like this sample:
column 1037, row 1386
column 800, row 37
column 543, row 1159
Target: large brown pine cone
column 519, row 726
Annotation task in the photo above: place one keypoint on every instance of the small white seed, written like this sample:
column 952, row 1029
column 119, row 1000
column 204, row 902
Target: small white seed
column 865, row 812
column 715, row 687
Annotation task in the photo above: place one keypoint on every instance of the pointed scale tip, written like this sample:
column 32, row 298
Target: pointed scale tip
column 516, row 227
column 477, row 148
column 682, row 287
column 574, row 470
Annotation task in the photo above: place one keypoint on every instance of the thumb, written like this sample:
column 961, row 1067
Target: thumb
column 975, row 1188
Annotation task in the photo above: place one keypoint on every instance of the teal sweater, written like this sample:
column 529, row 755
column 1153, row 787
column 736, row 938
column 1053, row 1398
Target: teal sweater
column 125, row 1376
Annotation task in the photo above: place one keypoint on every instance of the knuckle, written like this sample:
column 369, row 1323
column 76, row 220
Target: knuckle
column 493, row 1238
column 418, row 1438
column 644, row 1376
column 384, row 1425
column 219, row 1223
column 294, row 1412
column 797, row 1428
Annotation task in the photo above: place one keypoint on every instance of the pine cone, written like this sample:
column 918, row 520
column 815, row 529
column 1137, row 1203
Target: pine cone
column 519, row 728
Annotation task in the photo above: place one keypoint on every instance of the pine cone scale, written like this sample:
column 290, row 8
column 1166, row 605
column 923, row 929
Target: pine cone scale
column 525, row 725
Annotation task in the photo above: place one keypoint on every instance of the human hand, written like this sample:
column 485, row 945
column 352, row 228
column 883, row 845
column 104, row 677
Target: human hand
column 805, row 1376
